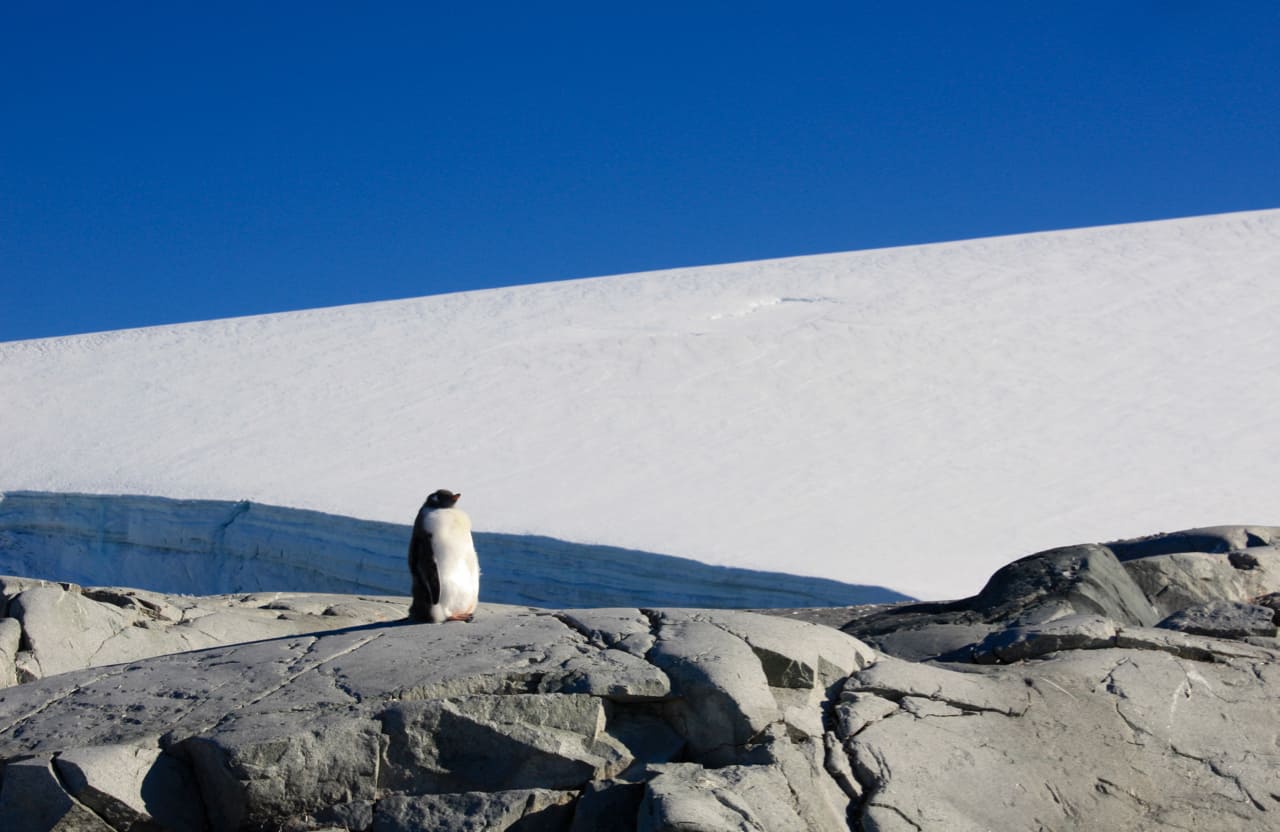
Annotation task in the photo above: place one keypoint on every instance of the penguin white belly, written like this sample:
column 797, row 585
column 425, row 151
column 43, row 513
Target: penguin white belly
column 456, row 563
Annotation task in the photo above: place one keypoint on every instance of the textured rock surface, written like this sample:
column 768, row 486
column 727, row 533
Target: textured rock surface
column 53, row 628
column 1049, row 701
column 509, row 720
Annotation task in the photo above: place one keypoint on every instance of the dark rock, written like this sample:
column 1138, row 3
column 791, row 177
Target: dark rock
column 1272, row 602
column 1217, row 539
column 1074, row 632
column 608, row 806
column 1243, row 560
column 1082, row 580
column 1223, row 619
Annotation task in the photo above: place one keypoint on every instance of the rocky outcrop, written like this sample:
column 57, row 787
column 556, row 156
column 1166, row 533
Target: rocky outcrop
column 51, row 628
column 1068, row 695
column 512, row 720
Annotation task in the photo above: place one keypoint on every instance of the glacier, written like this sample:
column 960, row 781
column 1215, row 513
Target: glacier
column 206, row 547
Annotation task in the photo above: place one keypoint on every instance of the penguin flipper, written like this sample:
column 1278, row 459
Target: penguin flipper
column 425, row 574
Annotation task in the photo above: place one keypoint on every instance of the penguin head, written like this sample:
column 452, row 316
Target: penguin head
column 443, row 498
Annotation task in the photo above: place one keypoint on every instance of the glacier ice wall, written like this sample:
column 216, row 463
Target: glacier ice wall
column 213, row 547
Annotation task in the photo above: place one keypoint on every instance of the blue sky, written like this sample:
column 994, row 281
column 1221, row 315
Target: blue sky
column 166, row 162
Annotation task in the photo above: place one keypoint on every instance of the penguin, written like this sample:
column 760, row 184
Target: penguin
column 442, row 562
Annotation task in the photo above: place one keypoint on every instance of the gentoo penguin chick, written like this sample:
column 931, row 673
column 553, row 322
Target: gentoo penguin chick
column 442, row 561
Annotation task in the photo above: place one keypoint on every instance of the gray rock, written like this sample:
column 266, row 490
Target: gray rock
column 65, row 630
column 360, row 725
column 1223, row 619
column 10, row 639
column 892, row 679
column 525, row 810
column 622, row 629
column 1219, row 539
column 255, row 769
column 1085, row 579
column 132, row 787
column 724, row 699
column 608, row 806
column 685, row 797
column 32, row 800
column 1074, row 632
column 68, row 628
column 1193, row 647
column 857, row 709
column 1176, row 581
column 498, row 743
column 1101, row 739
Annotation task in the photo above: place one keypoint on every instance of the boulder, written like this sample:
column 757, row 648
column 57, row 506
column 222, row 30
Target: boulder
column 132, row 787
column 526, row 810
column 1223, row 619
column 686, row 796
column 1180, row 580
column 1073, row 580
column 1072, row 632
column 499, row 743
column 33, row 800
column 10, row 640
column 68, row 628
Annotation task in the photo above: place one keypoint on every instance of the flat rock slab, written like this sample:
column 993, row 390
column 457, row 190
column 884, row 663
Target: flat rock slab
column 1086, row 739
column 66, row 627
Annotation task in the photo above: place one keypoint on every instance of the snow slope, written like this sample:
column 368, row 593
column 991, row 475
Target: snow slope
column 909, row 417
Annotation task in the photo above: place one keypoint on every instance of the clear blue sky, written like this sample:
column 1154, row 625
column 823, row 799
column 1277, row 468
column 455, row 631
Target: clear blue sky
column 165, row 162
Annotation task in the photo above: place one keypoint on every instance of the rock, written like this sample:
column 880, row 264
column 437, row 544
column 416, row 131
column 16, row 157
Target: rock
column 1074, row 632
column 131, row 787
column 390, row 724
column 68, row 628
column 498, row 743
column 1223, row 619
column 10, row 639
column 1088, row 739
column 737, row 673
column 1192, row 647
column 857, row 709
column 529, row 810
column 686, row 796
column 892, row 679
column 32, row 800
column 723, row 694
column 1217, row 539
column 1176, row 581
column 1052, row 684
column 608, row 806
column 1272, row 602
column 65, row 630
column 1085, row 579
column 254, row 769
